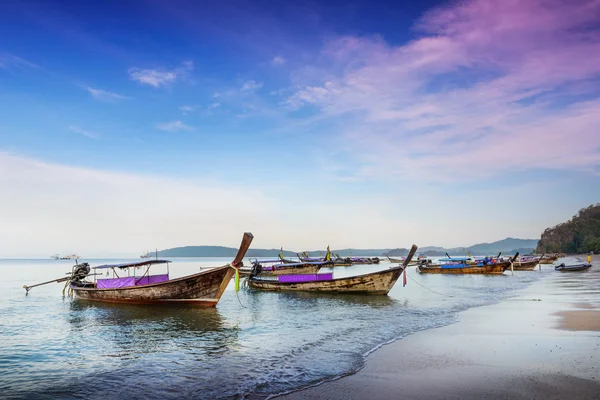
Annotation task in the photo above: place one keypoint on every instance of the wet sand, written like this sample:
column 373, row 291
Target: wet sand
column 579, row 320
column 542, row 344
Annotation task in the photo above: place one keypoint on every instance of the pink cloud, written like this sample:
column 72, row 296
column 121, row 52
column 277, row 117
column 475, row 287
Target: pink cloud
column 504, row 79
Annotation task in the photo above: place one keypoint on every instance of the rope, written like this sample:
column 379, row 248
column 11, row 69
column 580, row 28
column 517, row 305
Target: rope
column 232, row 265
column 425, row 287
column 237, row 294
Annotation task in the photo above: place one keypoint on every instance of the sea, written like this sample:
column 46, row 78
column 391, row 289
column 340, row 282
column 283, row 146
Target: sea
column 252, row 345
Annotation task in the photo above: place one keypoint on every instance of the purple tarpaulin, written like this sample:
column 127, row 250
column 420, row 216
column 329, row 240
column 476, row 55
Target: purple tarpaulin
column 129, row 281
column 146, row 280
column 116, row 283
column 304, row 278
column 325, row 277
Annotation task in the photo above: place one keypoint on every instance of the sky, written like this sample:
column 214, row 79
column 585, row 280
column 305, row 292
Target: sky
column 128, row 126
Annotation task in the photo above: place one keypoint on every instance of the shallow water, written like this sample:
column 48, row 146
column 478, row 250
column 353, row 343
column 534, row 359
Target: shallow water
column 250, row 346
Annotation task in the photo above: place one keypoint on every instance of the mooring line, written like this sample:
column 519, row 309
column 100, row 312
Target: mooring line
column 425, row 287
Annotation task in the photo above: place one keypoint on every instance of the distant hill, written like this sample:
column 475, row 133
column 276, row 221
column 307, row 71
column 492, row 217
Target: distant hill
column 581, row 234
column 219, row 251
column 506, row 246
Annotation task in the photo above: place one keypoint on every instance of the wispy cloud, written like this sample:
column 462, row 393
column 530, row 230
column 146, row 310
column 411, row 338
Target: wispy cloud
column 10, row 61
column 278, row 60
column 104, row 95
column 160, row 77
column 187, row 109
column 251, row 85
column 174, row 126
column 44, row 200
column 491, row 86
column 81, row 131
column 214, row 105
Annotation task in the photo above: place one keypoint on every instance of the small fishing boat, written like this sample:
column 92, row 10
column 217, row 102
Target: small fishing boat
column 380, row 282
column 395, row 260
column 413, row 263
column 526, row 263
column 201, row 289
column 490, row 269
column 258, row 268
column 337, row 260
column 147, row 254
column 572, row 268
column 549, row 259
column 484, row 267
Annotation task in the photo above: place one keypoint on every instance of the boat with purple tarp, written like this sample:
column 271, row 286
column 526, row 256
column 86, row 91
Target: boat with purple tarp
column 380, row 282
column 201, row 289
column 285, row 268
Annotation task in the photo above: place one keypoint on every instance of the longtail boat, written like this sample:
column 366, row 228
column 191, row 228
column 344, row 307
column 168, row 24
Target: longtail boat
column 549, row 259
column 337, row 260
column 395, row 260
column 285, row 268
column 486, row 268
column 201, row 289
column 572, row 268
column 526, row 263
column 374, row 283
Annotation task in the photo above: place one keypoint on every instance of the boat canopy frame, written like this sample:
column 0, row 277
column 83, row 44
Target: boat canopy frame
column 132, row 264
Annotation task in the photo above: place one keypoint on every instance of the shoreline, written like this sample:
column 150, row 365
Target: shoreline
column 542, row 343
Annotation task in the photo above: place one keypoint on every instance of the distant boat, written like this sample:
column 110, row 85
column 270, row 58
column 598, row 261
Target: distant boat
column 549, row 259
column 572, row 268
column 69, row 257
column 526, row 263
column 490, row 269
column 464, row 267
column 146, row 254
column 259, row 267
column 337, row 260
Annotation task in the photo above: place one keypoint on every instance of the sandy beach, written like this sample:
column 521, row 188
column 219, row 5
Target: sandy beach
column 542, row 344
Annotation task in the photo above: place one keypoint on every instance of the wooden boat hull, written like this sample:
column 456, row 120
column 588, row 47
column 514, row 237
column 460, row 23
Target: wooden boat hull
column 395, row 260
column 309, row 269
column 525, row 266
column 548, row 259
column 202, row 289
column 490, row 269
column 374, row 283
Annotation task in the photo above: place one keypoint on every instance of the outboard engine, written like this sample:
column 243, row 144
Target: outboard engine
column 256, row 269
column 80, row 271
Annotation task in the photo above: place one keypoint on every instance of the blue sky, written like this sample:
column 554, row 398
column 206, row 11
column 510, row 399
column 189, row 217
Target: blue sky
column 357, row 124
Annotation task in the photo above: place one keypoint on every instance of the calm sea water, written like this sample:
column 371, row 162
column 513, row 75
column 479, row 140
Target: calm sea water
column 251, row 346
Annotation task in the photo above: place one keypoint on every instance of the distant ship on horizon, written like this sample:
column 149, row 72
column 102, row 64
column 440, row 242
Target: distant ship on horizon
column 69, row 257
column 146, row 254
